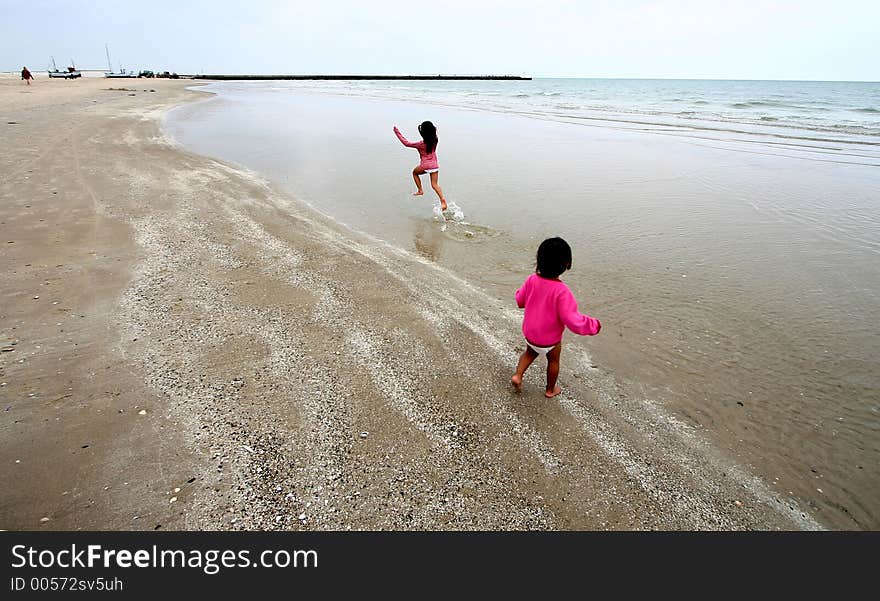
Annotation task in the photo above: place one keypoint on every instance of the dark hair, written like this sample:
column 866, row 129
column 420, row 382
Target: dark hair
column 429, row 135
column 554, row 257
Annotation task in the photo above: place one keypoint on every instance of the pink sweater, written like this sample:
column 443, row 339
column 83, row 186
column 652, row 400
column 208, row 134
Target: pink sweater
column 550, row 308
column 428, row 160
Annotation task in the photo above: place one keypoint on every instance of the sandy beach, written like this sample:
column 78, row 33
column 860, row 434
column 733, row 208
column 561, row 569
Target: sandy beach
column 188, row 347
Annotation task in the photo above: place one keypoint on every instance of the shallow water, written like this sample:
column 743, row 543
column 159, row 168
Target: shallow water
column 735, row 268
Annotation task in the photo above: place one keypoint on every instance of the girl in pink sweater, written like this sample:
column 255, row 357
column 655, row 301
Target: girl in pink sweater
column 550, row 307
column 428, row 159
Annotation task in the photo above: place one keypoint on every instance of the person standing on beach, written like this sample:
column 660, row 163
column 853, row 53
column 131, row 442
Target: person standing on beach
column 26, row 75
column 550, row 307
column 428, row 159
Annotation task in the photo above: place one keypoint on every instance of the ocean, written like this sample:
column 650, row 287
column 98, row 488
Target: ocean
column 727, row 234
column 842, row 112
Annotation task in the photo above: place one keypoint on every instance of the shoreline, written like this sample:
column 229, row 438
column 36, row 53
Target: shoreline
column 263, row 339
column 750, row 383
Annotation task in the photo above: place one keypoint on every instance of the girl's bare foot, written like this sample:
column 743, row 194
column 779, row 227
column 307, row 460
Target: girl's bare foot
column 443, row 205
column 552, row 394
column 516, row 381
column 419, row 193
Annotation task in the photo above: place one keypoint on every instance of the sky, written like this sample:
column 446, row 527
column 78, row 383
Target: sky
column 747, row 39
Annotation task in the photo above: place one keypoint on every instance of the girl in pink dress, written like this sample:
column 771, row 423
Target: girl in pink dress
column 428, row 159
column 550, row 307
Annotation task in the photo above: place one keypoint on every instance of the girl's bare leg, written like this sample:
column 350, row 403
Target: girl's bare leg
column 434, row 184
column 553, row 371
column 416, row 173
column 525, row 360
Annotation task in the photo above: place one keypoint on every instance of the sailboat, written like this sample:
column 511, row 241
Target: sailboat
column 71, row 73
column 120, row 73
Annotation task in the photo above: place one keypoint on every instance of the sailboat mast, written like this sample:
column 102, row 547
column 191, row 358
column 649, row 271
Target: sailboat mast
column 109, row 66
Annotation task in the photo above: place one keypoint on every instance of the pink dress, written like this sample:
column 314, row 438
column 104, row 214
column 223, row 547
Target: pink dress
column 550, row 308
column 428, row 159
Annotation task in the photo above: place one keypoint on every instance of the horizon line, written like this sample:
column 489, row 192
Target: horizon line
column 521, row 77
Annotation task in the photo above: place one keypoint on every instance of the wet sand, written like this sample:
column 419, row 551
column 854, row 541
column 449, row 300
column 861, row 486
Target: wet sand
column 187, row 347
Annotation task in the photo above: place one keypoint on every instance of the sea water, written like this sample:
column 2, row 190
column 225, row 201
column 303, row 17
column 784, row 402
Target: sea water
column 727, row 234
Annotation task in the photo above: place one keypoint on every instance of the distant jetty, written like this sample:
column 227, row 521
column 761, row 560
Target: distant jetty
column 361, row 77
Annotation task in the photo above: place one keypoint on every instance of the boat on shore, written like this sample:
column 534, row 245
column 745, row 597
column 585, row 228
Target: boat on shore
column 71, row 73
column 122, row 73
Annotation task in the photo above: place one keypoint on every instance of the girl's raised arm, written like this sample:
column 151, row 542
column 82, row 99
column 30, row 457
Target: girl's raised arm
column 404, row 140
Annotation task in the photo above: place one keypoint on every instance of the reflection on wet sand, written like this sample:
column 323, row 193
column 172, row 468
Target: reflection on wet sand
column 427, row 238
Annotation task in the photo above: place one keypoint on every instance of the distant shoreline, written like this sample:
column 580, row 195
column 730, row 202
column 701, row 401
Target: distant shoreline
column 361, row 77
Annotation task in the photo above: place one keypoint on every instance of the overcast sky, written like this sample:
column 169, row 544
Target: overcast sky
column 747, row 39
